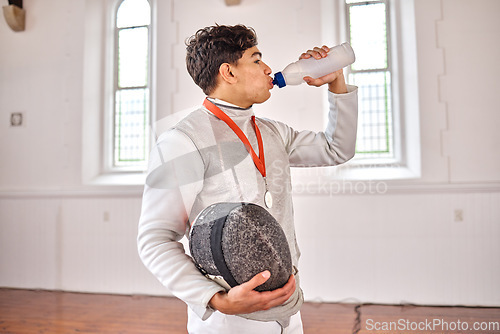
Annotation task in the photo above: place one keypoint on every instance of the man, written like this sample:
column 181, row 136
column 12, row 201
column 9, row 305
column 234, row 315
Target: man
column 204, row 159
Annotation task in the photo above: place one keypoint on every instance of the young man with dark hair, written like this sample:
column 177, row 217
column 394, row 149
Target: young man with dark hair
column 202, row 160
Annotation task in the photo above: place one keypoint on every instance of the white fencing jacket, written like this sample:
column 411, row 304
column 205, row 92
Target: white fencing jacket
column 200, row 161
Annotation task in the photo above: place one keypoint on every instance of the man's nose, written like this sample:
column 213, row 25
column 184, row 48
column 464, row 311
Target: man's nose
column 267, row 70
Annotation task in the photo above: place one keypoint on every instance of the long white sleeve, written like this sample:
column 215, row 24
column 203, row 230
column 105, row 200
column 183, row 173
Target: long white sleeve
column 335, row 145
column 175, row 178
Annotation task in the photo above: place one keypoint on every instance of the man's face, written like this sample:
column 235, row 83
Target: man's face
column 253, row 77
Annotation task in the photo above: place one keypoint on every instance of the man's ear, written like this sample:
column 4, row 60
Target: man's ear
column 225, row 71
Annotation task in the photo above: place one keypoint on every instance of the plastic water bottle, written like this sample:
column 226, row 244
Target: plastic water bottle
column 338, row 57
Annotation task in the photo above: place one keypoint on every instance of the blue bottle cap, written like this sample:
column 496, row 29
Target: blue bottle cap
column 279, row 80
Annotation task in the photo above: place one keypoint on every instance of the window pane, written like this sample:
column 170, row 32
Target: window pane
column 130, row 126
column 356, row 1
column 375, row 114
column 368, row 36
column 133, row 57
column 132, row 13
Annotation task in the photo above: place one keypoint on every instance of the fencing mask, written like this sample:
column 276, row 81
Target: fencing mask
column 232, row 242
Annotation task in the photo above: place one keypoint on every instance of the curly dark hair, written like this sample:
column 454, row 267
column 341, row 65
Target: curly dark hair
column 212, row 46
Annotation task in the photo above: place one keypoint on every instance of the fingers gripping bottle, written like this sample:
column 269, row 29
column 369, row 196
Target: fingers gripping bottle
column 338, row 57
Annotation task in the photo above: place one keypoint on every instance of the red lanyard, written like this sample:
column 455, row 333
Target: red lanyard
column 259, row 161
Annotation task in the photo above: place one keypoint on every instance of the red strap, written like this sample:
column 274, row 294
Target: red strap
column 259, row 161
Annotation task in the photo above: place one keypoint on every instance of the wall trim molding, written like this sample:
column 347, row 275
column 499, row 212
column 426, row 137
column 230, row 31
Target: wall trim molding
column 387, row 187
column 73, row 192
column 330, row 188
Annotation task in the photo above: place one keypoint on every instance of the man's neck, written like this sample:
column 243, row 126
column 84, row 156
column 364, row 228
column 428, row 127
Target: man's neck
column 224, row 103
column 230, row 96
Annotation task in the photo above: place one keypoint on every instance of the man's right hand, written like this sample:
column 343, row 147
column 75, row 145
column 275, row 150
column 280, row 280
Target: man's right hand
column 244, row 299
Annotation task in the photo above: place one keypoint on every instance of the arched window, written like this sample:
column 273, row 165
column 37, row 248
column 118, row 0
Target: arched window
column 129, row 129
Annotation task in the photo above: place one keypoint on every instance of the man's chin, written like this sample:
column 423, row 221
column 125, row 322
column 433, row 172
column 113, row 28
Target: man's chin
column 263, row 99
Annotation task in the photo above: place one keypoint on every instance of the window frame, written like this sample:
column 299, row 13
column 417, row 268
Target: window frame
column 109, row 135
column 98, row 74
column 394, row 139
column 406, row 163
column 400, row 162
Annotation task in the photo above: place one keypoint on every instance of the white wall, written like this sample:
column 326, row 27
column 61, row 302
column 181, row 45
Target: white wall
column 400, row 243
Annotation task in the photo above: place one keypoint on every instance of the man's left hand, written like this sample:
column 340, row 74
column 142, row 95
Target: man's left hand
column 335, row 80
